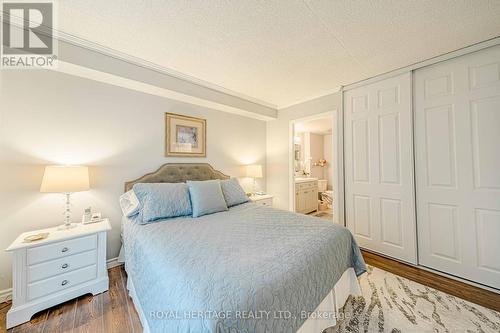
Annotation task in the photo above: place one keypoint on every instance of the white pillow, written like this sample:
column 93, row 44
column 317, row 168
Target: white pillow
column 129, row 204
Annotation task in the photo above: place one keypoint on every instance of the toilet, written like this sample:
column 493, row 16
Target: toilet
column 326, row 196
column 322, row 185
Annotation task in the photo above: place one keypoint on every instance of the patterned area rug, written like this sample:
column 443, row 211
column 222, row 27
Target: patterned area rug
column 394, row 304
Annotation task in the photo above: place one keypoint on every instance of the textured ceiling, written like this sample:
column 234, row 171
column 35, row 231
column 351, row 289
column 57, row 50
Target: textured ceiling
column 282, row 51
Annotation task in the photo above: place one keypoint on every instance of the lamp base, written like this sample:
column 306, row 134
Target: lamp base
column 67, row 226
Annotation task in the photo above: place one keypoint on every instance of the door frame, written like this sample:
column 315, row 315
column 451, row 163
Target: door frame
column 337, row 162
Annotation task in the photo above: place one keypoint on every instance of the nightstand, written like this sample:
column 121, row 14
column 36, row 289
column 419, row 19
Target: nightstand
column 262, row 199
column 67, row 264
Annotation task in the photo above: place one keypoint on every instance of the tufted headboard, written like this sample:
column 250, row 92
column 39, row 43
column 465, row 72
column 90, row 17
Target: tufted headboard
column 178, row 173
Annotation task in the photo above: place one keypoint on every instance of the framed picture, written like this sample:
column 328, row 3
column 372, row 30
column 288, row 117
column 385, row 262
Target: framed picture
column 185, row 136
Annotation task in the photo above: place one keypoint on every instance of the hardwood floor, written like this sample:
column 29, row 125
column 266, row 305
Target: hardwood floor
column 456, row 288
column 113, row 311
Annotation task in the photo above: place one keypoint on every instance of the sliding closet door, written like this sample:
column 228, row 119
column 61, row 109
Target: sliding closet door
column 457, row 135
column 379, row 189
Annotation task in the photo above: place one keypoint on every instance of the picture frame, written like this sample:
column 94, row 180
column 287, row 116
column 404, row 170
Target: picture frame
column 185, row 135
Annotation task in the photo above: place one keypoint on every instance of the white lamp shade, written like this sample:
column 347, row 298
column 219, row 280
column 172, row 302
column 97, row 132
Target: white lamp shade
column 254, row 171
column 65, row 179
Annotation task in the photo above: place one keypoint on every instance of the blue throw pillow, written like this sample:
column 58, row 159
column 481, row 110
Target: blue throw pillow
column 233, row 193
column 206, row 197
column 162, row 200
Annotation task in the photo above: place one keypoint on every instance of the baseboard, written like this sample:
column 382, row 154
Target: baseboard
column 435, row 271
column 113, row 262
column 5, row 295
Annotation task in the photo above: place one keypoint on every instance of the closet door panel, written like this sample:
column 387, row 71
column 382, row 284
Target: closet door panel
column 362, row 216
column 440, row 145
column 457, row 131
column 360, row 151
column 443, row 221
column 485, row 123
column 488, row 231
column 379, row 167
column 390, row 220
column 389, row 140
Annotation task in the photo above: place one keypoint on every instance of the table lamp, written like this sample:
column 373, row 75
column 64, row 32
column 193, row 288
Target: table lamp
column 254, row 171
column 65, row 180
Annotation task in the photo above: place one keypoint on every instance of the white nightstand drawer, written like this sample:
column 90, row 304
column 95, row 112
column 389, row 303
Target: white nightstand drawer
column 66, row 264
column 61, row 249
column 61, row 282
column 265, row 202
column 62, row 265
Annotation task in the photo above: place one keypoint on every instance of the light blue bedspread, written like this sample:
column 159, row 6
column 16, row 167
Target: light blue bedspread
column 249, row 269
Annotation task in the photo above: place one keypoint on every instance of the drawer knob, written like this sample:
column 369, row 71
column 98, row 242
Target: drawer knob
column 65, row 266
column 64, row 249
column 64, row 282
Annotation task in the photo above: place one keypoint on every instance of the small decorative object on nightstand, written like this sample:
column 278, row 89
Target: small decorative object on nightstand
column 262, row 199
column 63, row 265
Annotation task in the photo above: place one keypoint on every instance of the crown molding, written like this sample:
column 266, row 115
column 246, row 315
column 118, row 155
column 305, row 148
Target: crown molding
column 310, row 98
column 427, row 62
column 119, row 81
column 137, row 61
column 104, row 50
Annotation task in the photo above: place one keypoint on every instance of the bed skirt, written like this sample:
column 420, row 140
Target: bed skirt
column 325, row 315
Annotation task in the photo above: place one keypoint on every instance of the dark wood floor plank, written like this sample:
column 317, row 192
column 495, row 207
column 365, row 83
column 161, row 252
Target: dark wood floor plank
column 35, row 325
column 453, row 287
column 113, row 311
column 4, row 307
column 61, row 318
column 88, row 318
column 134, row 316
column 114, row 305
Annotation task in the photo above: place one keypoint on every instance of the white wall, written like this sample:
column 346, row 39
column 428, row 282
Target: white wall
column 278, row 144
column 53, row 118
column 328, row 155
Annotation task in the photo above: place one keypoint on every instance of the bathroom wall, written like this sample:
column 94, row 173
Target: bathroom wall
column 328, row 156
column 316, row 152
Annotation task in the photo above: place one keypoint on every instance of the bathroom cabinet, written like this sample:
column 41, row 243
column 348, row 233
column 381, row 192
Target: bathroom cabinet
column 306, row 196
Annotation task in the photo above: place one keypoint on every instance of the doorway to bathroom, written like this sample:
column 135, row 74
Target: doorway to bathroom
column 314, row 166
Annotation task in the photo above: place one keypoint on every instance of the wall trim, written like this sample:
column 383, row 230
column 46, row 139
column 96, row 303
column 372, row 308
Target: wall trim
column 95, row 47
column 428, row 62
column 269, row 110
column 104, row 50
column 310, row 98
column 5, row 295
column 113, row 262
column 107, row 51
column 119, row 81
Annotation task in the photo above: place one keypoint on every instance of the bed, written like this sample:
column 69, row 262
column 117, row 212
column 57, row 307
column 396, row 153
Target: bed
column 248, row 269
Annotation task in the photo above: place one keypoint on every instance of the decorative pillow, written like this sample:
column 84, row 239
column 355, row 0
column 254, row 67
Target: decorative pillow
column 233, row 193
column 206, row 197
column 129, row 204
column 162, row 200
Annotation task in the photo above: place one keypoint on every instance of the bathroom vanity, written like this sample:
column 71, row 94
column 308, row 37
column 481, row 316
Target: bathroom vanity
column 306, row 195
